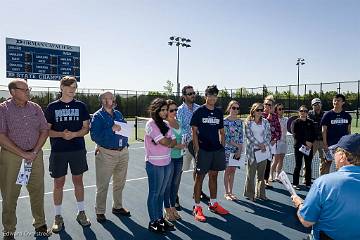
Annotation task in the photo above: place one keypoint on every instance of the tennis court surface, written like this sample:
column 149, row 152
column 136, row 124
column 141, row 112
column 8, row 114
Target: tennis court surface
column 272, row 219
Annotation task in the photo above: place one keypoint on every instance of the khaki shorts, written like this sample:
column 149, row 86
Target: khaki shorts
column 188, row 161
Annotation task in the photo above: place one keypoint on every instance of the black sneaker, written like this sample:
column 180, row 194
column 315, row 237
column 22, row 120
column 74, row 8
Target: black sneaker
column 177, row 204
column 42, row 231
column 100, row 218
column 204, row 197
column 168, row 226
column 155, row 227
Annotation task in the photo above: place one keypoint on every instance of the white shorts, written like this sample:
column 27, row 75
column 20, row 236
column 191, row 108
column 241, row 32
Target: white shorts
column 281, row 148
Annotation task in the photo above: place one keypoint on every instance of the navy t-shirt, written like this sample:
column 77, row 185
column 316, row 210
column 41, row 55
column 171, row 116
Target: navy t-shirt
column 68, row 116
column 337, row 125
column 208, row 123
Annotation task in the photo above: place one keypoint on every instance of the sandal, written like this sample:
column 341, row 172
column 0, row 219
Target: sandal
column 233, row 196
column 228, row 197
column 176, row 214
column 169, row 215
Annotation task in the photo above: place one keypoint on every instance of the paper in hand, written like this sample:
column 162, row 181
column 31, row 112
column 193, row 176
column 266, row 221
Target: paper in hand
column 305, row 150
column 24, row 173
column 262, row 156
column 125, row 129
column 234, row 162
column 328, row 155
column 286, row 181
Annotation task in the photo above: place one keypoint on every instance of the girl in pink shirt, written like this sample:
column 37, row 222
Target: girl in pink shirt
column 159, row 140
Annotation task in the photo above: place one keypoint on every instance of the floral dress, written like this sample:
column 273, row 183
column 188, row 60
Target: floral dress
column 233, row 132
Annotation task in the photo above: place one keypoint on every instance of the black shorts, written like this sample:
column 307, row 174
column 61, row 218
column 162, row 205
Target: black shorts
column 214, row 160
column 59, row 162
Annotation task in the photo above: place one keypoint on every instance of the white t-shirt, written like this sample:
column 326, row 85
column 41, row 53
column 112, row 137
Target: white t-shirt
column 258, row 131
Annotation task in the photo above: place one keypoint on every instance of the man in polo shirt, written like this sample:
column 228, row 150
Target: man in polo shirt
column 332, row 204
column 23, row 132
column 335, row 124
column 112, row 156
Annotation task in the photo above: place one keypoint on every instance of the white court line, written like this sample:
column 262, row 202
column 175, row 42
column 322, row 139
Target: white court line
column 91, row 186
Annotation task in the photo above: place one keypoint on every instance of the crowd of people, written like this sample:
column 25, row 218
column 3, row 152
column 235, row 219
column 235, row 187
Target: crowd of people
column 178, row 139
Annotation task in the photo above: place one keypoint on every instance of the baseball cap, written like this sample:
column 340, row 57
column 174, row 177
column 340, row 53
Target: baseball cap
column 350, row 143
column 315, row 101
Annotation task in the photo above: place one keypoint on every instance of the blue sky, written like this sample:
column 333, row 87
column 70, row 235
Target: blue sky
column 234, row 43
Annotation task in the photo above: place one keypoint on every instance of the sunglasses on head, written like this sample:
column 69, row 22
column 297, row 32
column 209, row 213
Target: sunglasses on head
column 259, row 110
column 235, row 108
column 303, row 110
column 190, row 94
column 173, row 110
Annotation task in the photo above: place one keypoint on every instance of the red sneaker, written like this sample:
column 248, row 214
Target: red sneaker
column 216, row 208
column 198, row 214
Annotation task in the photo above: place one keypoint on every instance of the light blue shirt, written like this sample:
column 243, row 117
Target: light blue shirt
column 184, row 115
column 333, row 203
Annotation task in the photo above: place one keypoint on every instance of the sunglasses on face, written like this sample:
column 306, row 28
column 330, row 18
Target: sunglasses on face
column 190, row 94
column 259, row 110
column 163, row 110
column 268, row 104
column 235, row 108
column 280, row 109
column 303, row 110
column 173, row 110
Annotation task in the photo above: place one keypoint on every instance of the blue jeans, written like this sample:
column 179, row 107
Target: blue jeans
column 172, row 187
column 158, row 177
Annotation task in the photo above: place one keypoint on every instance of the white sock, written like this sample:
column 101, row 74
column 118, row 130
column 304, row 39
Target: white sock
column 213, row 201
column 81, row 206
column 57, row 209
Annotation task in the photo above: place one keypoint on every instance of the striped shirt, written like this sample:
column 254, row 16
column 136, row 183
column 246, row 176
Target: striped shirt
column 22, row 125
column 155, row 153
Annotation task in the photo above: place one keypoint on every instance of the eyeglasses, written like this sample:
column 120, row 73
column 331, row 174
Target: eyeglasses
column 190, row 94
column 173, row 110
column 305, row 111
column 259, row 110
column 23, row 89
column 235, row 108
column 280, row 109
column 268, row 104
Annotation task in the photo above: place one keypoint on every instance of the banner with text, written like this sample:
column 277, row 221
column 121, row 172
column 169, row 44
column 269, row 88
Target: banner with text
column 41, row 60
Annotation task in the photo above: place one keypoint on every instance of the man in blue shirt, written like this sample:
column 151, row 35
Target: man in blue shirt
column 332, row 204
column 111, row 156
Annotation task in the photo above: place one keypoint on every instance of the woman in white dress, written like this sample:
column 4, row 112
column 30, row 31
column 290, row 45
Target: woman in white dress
column 280, row 148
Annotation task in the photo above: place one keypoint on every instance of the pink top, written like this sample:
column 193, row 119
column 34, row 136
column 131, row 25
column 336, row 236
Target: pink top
column 155, row 153
column 22, row 125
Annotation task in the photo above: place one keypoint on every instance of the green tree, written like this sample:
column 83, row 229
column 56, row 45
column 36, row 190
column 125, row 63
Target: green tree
column 169, row 87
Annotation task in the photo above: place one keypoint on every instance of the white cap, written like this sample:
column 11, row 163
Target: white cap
column 315, row 101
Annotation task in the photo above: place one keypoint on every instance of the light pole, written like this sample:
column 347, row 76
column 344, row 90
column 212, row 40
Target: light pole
column 300, row 61
column 178, row 42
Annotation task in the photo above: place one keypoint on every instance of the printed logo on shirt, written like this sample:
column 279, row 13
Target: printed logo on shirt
column 211, row 120
column 339, row 121
column 67, row 115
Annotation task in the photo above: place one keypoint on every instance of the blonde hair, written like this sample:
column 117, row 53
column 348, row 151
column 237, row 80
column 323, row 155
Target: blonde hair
column 251, row 115
column 232, row 102
column 270, row 98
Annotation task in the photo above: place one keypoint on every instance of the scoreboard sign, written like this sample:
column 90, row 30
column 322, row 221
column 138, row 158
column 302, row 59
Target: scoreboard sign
column 41, row 60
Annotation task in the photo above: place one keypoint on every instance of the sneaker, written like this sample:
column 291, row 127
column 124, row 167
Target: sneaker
column 58, row 224
column 204, row 197
column 82, row 219
column 198, row 214
column 42, row 231
column 121, row 211
column 168, row 226
column 177, row 204
column 100, row 218
column 216, row 208
column 154, row 227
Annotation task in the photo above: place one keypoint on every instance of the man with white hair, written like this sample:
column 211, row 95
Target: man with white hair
column 332, row 204
column 111, row 156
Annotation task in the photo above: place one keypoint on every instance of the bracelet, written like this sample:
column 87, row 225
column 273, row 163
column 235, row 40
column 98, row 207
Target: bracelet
column 298, row 206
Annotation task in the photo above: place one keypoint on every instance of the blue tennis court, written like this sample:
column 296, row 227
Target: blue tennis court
column 273, row 219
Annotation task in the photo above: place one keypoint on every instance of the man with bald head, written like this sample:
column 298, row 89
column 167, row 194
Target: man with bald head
column 111, row 156
column 23, row 132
